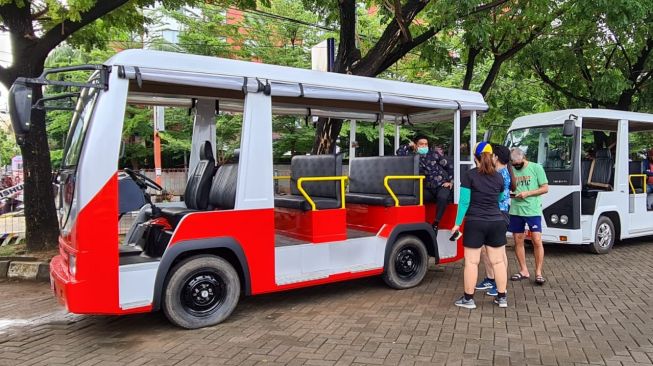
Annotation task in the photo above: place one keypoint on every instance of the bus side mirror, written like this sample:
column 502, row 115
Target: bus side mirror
column 20, row 108
column 487, row 135
column 568, row 128
column 122, row 149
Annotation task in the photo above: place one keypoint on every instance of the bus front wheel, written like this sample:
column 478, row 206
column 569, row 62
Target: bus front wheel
column 201, row 291
column 406, row 265
column 604, row 236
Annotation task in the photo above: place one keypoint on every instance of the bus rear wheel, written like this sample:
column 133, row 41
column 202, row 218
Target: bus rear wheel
column 406, row 265
column 604, row 236
column 201, row 291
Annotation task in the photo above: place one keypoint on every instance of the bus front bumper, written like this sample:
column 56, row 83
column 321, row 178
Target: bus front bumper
column 561, row 236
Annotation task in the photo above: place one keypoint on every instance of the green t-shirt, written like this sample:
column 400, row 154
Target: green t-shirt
column 529, row 178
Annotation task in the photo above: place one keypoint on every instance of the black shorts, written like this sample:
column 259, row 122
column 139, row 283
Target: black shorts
column 479, row 233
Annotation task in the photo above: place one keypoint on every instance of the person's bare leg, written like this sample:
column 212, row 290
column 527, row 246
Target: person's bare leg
column 505, row 258
column 496, row 257
column 538, row 250
column 472, row 258
column 489, row 270
column 520, row 253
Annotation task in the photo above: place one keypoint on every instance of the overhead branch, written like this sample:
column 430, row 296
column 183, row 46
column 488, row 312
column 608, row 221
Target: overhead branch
column 547, row 80
column 483, row 7
column 39, row 14
column 401, row 51
column 395, row 7
column 623, row 50
column 60, row 32
column 637, row 68
column 348, row 53
column 582, row 66
column 637, row 75
column 469, row 69
column 389, row 49
column 506, row 55
column 608, row 58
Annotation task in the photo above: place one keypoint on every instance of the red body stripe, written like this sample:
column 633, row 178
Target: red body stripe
column 94, row 241
column 252, row 229
column 312, row 226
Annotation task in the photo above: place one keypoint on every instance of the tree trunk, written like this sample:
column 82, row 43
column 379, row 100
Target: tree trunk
column 326, row 135
column 42, row 227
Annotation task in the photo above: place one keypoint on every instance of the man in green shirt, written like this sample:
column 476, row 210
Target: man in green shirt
column 526, row 209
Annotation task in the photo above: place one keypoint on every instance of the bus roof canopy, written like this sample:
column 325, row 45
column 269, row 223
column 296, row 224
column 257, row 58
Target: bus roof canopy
column 594, row 119
column 294, row 91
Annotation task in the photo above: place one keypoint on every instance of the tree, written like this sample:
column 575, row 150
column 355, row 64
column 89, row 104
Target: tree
column 497, row 30
column 600, row 55
column 35, row 29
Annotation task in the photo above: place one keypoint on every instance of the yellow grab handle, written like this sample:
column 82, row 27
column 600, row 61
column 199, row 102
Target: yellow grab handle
column 310, row 201
column 404, row 177
column 630, row 181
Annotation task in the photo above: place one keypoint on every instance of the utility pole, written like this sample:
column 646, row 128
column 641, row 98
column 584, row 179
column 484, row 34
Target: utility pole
column 159, row 125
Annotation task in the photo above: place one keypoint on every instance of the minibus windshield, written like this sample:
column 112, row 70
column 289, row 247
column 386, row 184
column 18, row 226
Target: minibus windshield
column 544, row 145
column 78, row 126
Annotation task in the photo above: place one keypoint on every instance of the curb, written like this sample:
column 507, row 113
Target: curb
column 25, row 270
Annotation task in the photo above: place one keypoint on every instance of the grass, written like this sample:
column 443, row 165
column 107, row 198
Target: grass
column 12, row 250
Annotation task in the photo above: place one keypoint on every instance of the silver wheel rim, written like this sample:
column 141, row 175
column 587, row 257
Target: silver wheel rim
column 604, row 235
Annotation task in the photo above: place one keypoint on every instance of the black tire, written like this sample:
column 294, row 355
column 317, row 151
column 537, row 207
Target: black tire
column 407, row 263
column 201, row 291
column 604, row 236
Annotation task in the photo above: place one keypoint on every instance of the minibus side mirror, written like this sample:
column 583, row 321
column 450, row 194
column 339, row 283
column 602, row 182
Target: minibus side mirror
column 122, row 149
column 20, row 108
column 487, row 135
column 568, row 128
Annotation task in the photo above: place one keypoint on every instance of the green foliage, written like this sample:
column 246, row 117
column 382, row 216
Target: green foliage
column 8, row 148
column 600, row 55
column 293, row 136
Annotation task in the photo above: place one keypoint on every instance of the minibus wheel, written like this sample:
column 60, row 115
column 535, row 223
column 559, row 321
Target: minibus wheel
column 604, row 236
column 201, row 291
column 406, row 265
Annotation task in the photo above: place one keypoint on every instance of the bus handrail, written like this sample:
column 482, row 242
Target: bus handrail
column 340, row 178
column 632, row 186
column 404, row 177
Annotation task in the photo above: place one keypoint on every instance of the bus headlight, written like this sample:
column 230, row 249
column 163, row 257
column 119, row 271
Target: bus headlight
column 72, row 265
column 564, row 219
column 555, row 219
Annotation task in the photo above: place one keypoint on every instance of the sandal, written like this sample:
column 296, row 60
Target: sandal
column 540, row 280
column 518, row 277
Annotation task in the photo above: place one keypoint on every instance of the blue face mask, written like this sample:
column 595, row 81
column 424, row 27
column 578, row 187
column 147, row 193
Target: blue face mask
column 422, row 150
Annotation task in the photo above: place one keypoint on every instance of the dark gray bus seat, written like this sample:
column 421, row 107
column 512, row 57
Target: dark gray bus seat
column 366, row 175
column 601, row 170
column 326, row 195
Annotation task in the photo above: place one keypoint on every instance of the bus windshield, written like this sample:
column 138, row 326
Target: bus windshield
column 78, row 126
column 545, row 145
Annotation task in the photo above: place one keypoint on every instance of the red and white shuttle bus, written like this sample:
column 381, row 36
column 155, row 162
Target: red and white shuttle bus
column 232, row 235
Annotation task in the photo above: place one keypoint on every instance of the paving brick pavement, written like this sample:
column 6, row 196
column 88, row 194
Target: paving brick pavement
column 593, row 310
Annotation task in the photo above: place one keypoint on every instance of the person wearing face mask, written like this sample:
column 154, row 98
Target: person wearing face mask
column 438, row 171
column 526, row 209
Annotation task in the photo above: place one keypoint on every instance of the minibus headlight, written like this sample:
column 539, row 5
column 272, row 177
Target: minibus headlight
column 72, row 264
column 564, row 219
column 555, row 219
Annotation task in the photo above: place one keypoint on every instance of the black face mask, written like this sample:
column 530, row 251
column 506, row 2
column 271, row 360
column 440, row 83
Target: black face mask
column 518, row 166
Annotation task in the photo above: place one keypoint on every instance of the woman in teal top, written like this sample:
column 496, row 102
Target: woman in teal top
column 481, row 190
